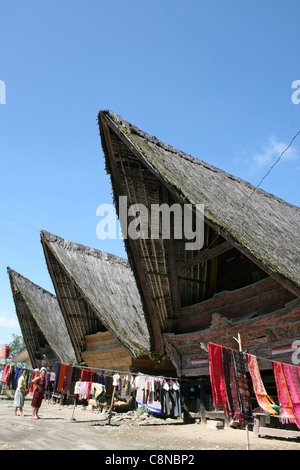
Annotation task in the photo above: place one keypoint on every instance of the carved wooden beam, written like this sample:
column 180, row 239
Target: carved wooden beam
column 204, row 256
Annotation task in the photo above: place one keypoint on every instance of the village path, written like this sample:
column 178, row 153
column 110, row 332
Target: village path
column 90, row 431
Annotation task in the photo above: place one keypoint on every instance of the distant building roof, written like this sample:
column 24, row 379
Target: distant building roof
column 41, row 320
column 95, row 288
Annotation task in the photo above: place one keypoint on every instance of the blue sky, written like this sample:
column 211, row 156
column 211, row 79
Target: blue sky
column 212, row 78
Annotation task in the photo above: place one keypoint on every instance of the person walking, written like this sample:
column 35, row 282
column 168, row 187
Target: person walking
column 38, row 395
column 20, row 394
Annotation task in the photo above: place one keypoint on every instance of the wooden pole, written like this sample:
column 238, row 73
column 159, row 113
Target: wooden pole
column 72, row 417
column 111, row 405
column 247, row 427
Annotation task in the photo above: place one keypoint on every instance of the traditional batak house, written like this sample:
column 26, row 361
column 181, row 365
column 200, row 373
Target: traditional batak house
column 102, row 308
column 42, row 324
column 244, row 279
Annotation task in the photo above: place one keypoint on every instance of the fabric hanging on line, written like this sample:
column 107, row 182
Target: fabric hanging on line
column 263, row 399
column 57, row 369
column 158, row 395
column 10, row 376
column 233, row 408
column 68, row 371
column 48, row 376
column 6, row 372
column 293, row 385
column 242, row 387
column 85, row 389
column 217, row 376
column 75, row 377
column 116, row 378
column 17, row 375
column 61, row 377
column 36, row 373
column 229, row 383
column 170, row 400
column 29, row 378
column 287, row 414
column 85, row 375
column 99, row 390
column 68, row 383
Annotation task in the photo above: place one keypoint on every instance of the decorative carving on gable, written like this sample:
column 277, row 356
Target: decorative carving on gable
column 220, row 323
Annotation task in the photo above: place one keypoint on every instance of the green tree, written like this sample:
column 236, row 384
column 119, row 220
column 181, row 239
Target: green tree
column 16, row 346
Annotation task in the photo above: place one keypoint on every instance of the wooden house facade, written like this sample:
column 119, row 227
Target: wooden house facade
column 41, row 321
column 244, row 279
column 101, row 305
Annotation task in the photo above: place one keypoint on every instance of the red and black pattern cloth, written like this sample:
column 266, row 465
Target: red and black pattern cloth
column 242, row 387
column 229, row 383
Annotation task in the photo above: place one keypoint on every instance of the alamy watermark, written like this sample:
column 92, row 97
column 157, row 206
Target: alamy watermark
column 296, row 94
column 137, row 221
column 296, row 353
column 2, row 92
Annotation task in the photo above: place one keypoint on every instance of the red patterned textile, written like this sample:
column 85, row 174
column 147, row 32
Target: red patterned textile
column 5, row 373
column 85, row 375
column 287, row 414
column 242, row 387
column 217, row 376
column 229, row 383
column 263, row 399
column 234, row 411
column 36, row 373
column 293, row 385
column 61, row 377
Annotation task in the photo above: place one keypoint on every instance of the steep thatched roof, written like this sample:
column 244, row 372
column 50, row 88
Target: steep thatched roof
column 96, row 291
column 41, row 321
column 264, row 226
column 249, row 234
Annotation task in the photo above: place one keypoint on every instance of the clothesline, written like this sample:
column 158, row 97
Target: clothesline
column 151, row 391
column 231, row 391
column 245, row 352
column 122, row 372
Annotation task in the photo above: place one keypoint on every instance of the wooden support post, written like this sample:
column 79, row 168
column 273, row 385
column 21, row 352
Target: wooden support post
column 247, row 427
column 72, row 417
column 111, row 404
column 202, row 402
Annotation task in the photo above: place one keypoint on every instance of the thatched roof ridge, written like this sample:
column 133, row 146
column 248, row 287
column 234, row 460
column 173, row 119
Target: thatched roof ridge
column 78, row 248
column 36, row 306
column 106, row 284
column 261, row 224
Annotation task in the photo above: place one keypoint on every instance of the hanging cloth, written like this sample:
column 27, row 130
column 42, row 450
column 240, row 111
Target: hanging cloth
column 5, row 373
column 85, row 375
column 233, row 408
column 36, row 373
column 263, row 399
column 75, row 377
column 287, row 414
column 293, row 385
column 242, row 387
column 61, row 377
column 116, row 379
column 68, row 371
column 28, row 378
column 217, row 376
column 57, row 369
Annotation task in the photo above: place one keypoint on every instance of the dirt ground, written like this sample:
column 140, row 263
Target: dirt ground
column 89, row 430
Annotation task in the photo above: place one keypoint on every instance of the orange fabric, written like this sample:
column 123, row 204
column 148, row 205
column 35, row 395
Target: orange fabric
column 287, row 413
column 36, row 373
column 61, row 377
column 263, row 399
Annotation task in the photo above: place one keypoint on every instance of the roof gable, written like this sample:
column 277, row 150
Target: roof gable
column 264, row 226
column 37, row 307
column 104, row 283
